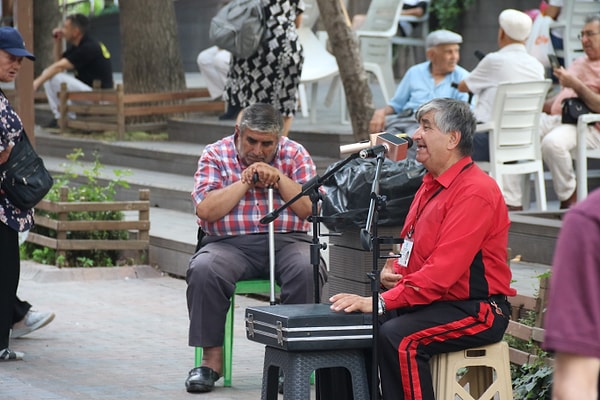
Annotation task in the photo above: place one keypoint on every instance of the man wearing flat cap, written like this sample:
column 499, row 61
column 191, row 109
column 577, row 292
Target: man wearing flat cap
column 511, row 63
column 436, row 77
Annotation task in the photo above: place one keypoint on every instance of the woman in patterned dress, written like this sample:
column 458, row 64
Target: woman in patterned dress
column 272, row 74
column 12, row 219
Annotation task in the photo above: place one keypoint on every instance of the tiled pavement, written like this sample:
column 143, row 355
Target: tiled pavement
column 122, row 335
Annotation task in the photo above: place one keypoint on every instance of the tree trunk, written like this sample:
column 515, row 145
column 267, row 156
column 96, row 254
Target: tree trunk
column 46, row 16
column 150, row 47
column 354, row 78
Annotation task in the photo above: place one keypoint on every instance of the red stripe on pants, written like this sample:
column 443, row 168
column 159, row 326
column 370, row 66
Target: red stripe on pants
column 407, row 350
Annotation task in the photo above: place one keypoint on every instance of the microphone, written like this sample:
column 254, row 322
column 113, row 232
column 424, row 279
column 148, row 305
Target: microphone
column 395, row 147
column 401, row 141
column 479, row 54
column 355, row 147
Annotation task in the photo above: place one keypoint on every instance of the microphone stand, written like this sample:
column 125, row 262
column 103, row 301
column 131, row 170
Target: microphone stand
column 311, row 188
column 370, row 241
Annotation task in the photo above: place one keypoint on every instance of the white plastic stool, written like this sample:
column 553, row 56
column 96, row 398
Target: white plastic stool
column 487, row 375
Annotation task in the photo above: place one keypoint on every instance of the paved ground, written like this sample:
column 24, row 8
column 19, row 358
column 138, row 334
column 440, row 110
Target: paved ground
column 116, row 336
column 121, row 333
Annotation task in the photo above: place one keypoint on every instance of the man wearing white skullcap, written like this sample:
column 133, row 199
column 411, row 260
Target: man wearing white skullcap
column 511, row 63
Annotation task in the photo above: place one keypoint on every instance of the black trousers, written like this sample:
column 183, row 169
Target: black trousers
column 9, row 280
column 20, row 310
column 409, row 340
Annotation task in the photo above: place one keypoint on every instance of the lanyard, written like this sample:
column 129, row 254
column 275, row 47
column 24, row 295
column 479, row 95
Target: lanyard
column 411, row 230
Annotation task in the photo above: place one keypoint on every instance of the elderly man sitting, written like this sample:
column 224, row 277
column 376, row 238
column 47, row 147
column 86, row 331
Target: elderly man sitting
column 436, row 77
column 511, row 63
column 582, row 80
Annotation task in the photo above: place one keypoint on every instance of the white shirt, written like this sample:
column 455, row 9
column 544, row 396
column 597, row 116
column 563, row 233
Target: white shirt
column 511, row 63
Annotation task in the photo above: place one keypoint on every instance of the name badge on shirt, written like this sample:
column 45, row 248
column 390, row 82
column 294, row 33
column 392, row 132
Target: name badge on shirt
column 405, row 251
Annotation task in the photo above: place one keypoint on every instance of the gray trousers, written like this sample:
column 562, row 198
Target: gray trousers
column 222, row 261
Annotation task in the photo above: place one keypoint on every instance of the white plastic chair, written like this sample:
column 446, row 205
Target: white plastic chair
column 375, row 38
column 582, row 153
column 422, row 28
column 319, row 64
column 574, row 13
column 514, row 140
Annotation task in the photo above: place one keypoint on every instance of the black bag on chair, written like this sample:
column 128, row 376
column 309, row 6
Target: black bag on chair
column 572, row 108
column 26, row 179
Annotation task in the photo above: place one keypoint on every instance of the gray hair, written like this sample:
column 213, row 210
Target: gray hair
column 592, row 18
column 261, row 117
column 452, row 115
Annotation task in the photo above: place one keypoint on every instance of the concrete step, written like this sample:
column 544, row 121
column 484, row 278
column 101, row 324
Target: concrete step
column 167, row 157
column 172, row 240
column 167, row 190
column 176, row 157
column 323, row 140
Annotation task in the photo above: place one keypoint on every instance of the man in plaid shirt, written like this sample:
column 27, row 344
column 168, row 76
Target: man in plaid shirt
column 231, row 196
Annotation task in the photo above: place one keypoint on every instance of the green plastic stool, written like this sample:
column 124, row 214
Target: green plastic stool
column 251, row 286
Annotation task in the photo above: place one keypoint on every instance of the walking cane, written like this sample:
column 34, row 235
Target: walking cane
column 271, row 243
column 271, row 249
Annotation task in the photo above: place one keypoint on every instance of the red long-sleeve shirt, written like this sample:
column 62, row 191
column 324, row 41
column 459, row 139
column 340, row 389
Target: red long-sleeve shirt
column 459, row 223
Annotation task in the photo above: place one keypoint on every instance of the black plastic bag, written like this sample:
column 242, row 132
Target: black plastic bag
column 346, row 205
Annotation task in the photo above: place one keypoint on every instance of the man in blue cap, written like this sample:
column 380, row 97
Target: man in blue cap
column 24, row 319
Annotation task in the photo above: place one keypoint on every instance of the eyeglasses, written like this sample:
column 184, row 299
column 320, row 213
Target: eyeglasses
column 587, row 33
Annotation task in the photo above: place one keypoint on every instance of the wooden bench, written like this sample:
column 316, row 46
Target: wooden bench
column 115, row 110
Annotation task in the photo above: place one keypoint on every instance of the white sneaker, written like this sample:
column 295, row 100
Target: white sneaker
column 33, row 320
column 9, row 355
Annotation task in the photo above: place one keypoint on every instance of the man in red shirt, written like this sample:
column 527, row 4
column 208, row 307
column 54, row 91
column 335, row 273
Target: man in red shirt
column 447, row 290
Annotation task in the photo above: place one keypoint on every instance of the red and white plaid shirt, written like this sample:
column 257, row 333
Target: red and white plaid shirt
column 219, row 166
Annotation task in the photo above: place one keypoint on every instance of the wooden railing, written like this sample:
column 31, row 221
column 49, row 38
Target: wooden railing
column 113, row 109
column 139, row 228
column 38, row 97
column 521, row 305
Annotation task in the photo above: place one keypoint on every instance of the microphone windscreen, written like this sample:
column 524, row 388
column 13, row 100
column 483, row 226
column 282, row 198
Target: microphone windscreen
column 397, row 145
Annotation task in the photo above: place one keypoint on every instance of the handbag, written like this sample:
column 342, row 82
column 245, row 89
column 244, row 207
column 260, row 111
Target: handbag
column 25, row 178
column 572, row 108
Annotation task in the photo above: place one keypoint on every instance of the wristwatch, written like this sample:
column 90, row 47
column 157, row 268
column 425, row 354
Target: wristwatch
column 381, row 306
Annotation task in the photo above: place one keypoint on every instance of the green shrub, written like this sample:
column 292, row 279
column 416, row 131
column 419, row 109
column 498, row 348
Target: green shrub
column 532, row 381
column 92, row 191
column 448, row 12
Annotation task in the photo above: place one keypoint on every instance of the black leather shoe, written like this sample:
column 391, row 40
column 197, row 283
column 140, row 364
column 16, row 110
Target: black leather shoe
column 201, row 380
